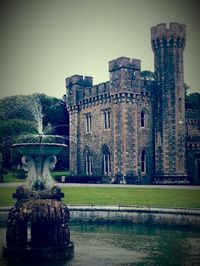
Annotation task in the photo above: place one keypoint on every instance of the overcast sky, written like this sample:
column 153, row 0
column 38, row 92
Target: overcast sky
column 45, row 41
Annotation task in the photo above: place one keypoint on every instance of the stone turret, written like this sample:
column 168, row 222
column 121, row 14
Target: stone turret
column 168, row 45
column 124, row 74
column 161, row 32
column 75, row 84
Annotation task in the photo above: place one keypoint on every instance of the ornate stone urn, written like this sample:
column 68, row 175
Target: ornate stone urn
column 38, row 224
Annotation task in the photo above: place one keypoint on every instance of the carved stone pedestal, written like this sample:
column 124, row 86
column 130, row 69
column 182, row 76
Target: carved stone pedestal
column 38, row 227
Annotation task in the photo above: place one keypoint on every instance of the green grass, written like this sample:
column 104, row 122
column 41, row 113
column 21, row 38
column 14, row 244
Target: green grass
column 150, row 197
column 59, row 173
column 10, row 177
column 6, row 196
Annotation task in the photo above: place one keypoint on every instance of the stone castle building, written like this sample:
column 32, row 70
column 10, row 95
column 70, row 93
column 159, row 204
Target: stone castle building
column 131, row 124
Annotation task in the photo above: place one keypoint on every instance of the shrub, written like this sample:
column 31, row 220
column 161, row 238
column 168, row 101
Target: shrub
column 118, row 178
column 131, row 178
column 20, row 173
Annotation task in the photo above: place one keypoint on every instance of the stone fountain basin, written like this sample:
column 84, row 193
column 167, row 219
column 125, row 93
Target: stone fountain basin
column 44, row 149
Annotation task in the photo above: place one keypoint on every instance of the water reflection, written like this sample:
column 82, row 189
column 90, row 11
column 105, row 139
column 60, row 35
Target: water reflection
column 126, row 245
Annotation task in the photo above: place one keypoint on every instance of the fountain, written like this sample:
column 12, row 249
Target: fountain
column 38, row 224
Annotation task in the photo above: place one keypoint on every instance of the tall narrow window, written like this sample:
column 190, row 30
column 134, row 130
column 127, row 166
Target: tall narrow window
column 143, row 162
column 88, row 164
column 88, row 119
column 181, row 163
column 106, row 160
column 106, row 163
column 142, row 119
column 158, row 139
column 106, row 117
column 105, row 120
column 179, row 105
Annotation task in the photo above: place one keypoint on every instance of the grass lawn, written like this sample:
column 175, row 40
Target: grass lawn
column 59, row 173
column 150, row 197
column 10, row 177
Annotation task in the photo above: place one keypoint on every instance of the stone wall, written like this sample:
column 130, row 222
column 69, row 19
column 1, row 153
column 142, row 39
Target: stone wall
column 94, row 140
column 134, row 215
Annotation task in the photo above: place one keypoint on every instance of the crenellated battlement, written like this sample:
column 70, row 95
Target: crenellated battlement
column 124, row 75
column 174, row 36
column 80, row 80
column 124, row 62
column 93, row 91
column 161, row 30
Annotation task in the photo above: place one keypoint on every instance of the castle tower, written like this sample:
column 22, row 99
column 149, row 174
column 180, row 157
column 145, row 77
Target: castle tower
column 124, row 80
column 125, row 75
column 169, row 121
column 74, row 85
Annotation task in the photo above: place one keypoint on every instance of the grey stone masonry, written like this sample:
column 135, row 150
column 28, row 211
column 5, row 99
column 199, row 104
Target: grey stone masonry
column 133, row 124
column 124, row 98
column 168, row 45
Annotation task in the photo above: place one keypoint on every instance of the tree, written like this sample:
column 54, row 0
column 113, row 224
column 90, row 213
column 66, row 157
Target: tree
column 10, row 130
column 146, row 74
column 192, row 101
column 15, row 107
column 18, row 118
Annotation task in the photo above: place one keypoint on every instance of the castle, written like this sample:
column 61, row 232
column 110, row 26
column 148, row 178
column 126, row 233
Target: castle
column 135, row 125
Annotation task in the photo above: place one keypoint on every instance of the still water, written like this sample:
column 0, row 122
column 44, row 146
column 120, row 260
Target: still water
column 126, row 245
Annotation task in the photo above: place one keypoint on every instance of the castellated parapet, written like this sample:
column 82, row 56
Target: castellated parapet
column 124, row 74
column 125, row 82
column 74, row 84
column 79, row 80
column 174, row 36
column 124, row 62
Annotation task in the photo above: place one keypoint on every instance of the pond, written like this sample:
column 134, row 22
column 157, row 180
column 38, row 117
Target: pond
column 98, row 244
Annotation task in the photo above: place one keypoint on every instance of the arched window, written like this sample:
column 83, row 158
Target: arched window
column 88, row 161
column 88, row 164
column 106, row 159
column 142, row 118
column 143, row 162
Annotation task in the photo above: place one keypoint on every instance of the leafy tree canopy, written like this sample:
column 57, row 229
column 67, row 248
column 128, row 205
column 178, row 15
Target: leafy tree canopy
column 147, row 74
column 192, row 101
column 19, row 115
column 16, row 127
column 23, row 107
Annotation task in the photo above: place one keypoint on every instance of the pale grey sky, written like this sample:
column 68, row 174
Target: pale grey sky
column 45, row 41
